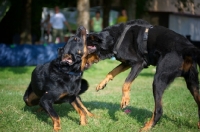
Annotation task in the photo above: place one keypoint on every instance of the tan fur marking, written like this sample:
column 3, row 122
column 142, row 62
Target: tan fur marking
column 92, row 37
column 120, row 68
column 31, row 97
column 196, row 95
column 79, row 51
column 186, row 64
column 83, row 120
column 84, row 52
column 62, row 95
column 148, row 125
column 56, row 124
column 82, row 106
column 92, row 58
column 126, row 87
column 125, row 94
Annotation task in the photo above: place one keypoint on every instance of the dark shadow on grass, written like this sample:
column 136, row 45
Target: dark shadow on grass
column 63, row 109
column 179, row 123
column 141, row 115
column 147, row 74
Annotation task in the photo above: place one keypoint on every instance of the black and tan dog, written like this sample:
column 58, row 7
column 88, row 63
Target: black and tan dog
column 60, row 80
column 138, row 44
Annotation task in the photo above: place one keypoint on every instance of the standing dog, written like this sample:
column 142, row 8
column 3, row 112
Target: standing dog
column 60, row 80
column 138, row 44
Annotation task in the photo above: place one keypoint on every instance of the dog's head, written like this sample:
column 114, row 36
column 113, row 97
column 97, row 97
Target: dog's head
column 75, row 50
column 99, row 41
column 99, row 46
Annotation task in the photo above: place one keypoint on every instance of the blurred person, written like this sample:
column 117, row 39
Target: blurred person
column 46, row 33
column 122, row 17
column 57, row 22
column 97, row 22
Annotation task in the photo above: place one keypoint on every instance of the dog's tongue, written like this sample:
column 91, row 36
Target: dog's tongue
column 91, row 47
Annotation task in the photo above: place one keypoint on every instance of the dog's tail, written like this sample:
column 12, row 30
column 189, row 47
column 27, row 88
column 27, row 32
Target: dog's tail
column 193, row 52
column 84, row 86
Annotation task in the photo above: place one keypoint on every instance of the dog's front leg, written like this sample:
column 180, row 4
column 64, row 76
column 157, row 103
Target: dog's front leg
column 120, row 68
column 135, row 70
column 46, row 102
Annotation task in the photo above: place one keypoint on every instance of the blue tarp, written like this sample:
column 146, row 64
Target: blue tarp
column 27, row 55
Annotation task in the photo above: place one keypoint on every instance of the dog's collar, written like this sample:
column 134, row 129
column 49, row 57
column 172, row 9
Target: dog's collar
column 70, row 72
column 75, row 73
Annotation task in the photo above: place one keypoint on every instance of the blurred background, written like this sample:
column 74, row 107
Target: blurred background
column 25, row 16
column 20, row 20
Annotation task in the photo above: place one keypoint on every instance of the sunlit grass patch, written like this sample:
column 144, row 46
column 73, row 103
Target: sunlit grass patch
column 179, row 115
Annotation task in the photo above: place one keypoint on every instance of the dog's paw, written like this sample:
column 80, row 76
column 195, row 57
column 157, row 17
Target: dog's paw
column 125, row 101
column 101, row 86
column 147, row 127
column 90, row 114
column 56, row 129
column 83, row 122
column 198, row 125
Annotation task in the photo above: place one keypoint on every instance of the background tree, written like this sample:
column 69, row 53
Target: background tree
column 106, row 11
column 83, row 7
column 25, row 36
column 4, row 7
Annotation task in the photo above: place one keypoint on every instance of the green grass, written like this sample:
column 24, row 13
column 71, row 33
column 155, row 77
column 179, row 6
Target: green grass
column 180, row 110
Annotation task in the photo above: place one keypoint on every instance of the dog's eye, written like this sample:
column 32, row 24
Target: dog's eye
column 77, row 39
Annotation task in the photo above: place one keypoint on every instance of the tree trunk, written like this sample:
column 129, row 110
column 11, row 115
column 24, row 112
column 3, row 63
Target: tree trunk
column 106, row 12
column 130, row 6
column 25, row 36
column 83, row 7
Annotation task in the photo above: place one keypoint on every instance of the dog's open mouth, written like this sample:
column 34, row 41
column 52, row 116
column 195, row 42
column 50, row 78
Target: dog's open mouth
column 67, row 59
column 91, row 59
column 91, row 49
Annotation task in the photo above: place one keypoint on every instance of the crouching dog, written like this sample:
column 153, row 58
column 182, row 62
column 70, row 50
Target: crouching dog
column 61, row 80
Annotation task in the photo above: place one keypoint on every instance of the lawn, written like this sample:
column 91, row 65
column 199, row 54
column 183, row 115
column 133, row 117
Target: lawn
column 180, row 110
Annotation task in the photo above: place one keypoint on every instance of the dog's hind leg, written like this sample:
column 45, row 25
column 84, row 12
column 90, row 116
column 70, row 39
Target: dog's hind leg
column 191, row 78
column 167, row 70
column 80, row 111
column 120, row 68
column 78, row 99
column 30, row 98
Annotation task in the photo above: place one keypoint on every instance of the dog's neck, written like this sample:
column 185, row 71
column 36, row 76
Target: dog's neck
column 60, row 68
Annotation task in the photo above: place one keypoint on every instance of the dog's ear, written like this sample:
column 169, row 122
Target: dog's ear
column 107, row 40
column 81, row 32
column 60, row 51
column 94, row 37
